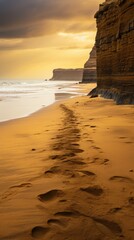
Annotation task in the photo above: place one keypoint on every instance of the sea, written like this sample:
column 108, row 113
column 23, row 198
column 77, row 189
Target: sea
column 20, row 98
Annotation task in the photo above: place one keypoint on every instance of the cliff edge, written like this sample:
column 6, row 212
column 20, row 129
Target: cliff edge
column 89, row 72
column 115, row 50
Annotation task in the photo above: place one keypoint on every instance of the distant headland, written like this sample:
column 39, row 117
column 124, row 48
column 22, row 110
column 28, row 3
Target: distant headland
column 61, row 74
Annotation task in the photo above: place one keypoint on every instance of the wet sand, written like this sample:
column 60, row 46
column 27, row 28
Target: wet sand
column 67, row 173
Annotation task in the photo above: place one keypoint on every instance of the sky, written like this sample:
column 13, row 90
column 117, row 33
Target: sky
column 37, row 36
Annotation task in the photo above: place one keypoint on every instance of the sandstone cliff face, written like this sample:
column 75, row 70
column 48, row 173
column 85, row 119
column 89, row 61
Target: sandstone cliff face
column 115, row 49
column 67, row 74
column 89, row 72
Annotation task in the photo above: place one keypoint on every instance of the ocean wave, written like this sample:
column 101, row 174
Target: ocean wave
column 21, row 98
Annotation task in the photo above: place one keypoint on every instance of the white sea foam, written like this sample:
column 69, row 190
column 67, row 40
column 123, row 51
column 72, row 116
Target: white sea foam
column 21, row 98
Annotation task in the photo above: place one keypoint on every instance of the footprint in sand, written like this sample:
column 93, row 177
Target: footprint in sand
column 85, row 134
column 75, row 161
column 131, row 200
column 77, row 150
column 106, row 160
column 121, row 179
column 23, row 185
column 51, row 195
column 57, row 222
column 57, row 148
column 115, row 210
column 63, row 200
column 69, row 154
column 53, row 170
column 59, row 137
column 68, row 173
column 96, row 158
column 90, row 140
column 57, row 170
column 67, row 214
column 13, row 190
column 97, row 148
column 93, row 190
column 53, row 157
column 75, row 144
column 39, row 232
column 63, row 156
column 33, row 149
column 112, row 226
column 100, row 160
column 88, row 173
column 75, row 131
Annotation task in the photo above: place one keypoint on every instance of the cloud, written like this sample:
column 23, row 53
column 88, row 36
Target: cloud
column 74, row 47
column 7, row 44
column 77, row 27
column 32, row 18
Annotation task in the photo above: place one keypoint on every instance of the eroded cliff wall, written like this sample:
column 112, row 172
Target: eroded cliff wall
column 67, row 74
column 89, row 72
column 115, row 50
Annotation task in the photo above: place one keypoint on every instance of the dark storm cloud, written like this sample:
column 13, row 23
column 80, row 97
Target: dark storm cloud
column 29, row 18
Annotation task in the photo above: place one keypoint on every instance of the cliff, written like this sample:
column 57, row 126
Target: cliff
column 89, row 72
column 115, row 50
column 67, row 74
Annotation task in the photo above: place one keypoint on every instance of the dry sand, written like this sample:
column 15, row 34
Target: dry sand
column 67, row 173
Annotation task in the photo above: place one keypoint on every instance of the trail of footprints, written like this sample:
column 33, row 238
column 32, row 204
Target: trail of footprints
column 69, row 163
column 67, row 150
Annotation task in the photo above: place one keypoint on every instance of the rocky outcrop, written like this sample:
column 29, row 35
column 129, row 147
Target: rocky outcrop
column 115, row 50
column 67, row 74
column 89, row 72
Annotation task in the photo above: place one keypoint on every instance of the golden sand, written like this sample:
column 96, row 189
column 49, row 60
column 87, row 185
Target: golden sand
column 67, row 173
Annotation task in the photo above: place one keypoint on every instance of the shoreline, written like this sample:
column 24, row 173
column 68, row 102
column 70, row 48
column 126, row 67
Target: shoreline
column 67, row 171
column 24, row 106
column 42, row 109
column 59, row 96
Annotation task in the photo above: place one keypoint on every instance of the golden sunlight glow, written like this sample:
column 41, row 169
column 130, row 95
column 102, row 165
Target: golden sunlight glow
column 31, row 48
column 77, row 36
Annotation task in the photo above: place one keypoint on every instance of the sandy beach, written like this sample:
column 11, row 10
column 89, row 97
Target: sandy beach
column 67, row 172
